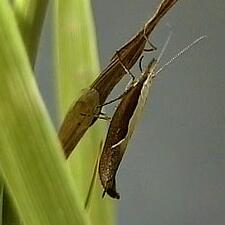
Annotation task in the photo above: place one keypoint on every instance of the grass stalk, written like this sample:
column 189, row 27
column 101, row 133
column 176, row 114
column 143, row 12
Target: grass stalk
column 77, row 66
column 31, row 161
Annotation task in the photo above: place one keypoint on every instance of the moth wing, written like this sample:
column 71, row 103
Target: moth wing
column 78, row 119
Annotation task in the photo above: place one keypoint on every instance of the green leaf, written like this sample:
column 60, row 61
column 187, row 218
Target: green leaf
column 76, row 66
column 9, row 215
column 31, row 160
column 30, row 16
column 1, row 200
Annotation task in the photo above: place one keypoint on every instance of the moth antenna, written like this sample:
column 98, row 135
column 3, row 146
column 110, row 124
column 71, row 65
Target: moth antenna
column 162, row 51
column 192, row 44
column 160, row 55
column 164, row 46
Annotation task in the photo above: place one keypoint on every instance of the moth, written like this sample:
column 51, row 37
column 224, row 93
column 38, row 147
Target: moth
column 124, row 121
column 84, row 112
column 121, row 128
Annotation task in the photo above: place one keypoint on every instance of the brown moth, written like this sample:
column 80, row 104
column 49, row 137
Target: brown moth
column 78, row 119
column 124, row 121
column 121, row 128
column 128, row 55
column 84, row 112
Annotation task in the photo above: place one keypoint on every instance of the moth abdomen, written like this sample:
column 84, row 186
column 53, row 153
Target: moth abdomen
column 110, row 189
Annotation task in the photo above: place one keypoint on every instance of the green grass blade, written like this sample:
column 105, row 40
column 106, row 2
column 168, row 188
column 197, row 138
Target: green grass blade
column 9, row 215
column 77, row 65
column 30, row 16
column 76, row 52
column 1, row 199
column 31, row 160
column 93, row 182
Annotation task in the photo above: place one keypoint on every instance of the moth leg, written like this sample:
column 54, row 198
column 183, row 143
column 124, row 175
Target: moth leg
column 115, row 99
column 102, row 113
column 140, row 64
column 124, row 67
column 103, row 116
column 152, row 47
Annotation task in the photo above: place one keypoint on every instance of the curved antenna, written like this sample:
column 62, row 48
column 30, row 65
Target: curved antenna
column 162, row 52
column 180, row 53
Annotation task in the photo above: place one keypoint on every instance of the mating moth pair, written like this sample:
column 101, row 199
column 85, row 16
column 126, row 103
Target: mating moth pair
column 84, row 112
